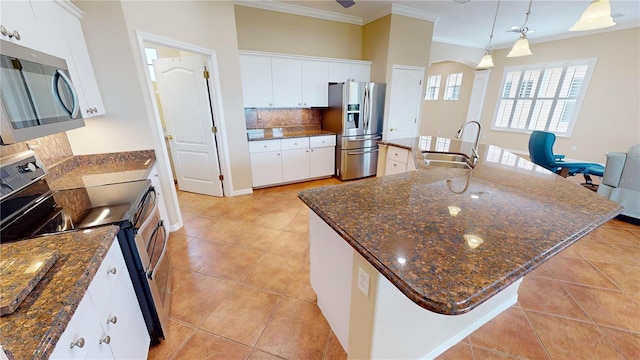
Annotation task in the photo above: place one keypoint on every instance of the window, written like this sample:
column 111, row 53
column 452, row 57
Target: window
column 543, row 96
column 151, row 54
column 433, row 87
column 454, row 82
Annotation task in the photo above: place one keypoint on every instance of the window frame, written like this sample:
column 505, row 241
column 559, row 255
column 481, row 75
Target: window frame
column 579, row 99
column 458, row 75
column 437, row 87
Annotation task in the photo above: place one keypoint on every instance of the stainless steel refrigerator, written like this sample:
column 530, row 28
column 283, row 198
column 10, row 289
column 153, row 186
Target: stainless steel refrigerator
column 355, row 113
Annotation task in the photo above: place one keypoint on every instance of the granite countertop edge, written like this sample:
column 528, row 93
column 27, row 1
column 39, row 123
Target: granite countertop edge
column 288, row 134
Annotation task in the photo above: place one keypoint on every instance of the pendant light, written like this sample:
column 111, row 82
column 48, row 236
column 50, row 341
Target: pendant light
column 596, row 16
column 521, row 47
column 487, row 60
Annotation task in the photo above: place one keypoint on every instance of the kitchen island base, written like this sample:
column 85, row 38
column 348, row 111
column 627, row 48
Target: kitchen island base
column 384, row 323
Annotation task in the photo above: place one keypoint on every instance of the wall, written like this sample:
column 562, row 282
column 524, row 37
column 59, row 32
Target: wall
column 375, row 46
column 115, row 50
column 106, row 36
column 609, row 119
column 441, row 52
column 444, row 117
column 270, row 31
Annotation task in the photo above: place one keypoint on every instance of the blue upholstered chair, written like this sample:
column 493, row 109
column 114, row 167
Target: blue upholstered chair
column 541, row 153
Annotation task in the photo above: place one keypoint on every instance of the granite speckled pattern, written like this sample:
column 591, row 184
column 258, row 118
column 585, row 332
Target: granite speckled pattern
column 524, row 214
column 100, row 169
column 303, row 119
column 282, row 133
column 19, row 275
column 33, row 330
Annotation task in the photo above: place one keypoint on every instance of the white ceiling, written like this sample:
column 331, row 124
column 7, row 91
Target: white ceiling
column 469, row 23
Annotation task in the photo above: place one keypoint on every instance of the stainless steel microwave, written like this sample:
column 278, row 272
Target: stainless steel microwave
column 37, row 97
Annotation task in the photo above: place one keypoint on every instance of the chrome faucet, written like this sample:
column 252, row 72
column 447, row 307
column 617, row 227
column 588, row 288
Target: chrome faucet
column 474, row 149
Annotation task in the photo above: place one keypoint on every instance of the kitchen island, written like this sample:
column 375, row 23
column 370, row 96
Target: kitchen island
column 407, row 265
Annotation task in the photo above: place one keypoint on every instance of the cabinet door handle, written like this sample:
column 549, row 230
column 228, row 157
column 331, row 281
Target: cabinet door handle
column 112, row 320
column 79, row 343
column 111, row 271
column 105, row 340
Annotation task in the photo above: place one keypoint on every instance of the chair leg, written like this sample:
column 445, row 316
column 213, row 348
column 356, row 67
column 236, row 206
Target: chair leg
column 588, row 183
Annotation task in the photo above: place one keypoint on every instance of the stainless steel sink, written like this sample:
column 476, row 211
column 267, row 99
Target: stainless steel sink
column 445, row 159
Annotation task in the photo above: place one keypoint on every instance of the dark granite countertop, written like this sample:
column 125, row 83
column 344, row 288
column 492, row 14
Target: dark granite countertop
column 283, row 133
column 449, row 238
column 100, row 169
column 33, row 330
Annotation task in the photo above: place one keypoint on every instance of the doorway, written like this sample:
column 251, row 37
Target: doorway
column 187, row 114
column 404, row 103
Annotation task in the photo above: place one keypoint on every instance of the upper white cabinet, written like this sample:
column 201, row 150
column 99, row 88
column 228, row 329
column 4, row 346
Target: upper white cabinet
column 280, row 81
column 34, row 24
column 80, row 67
column 345, row 71
column 315, row 77
column 257, row 81
column 287, row 82
column 53, row 27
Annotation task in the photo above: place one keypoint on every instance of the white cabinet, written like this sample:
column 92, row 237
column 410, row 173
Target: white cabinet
column 322, row 155
column 80, row 67
column 287, row 82
column 155, row 182
column 280, row 81
column 315, row 80
column 349, row 71
column 107, row 323
column 399, row 160
column 257, row 88
column 266, row 162
column 19, row 16
column 293, row 159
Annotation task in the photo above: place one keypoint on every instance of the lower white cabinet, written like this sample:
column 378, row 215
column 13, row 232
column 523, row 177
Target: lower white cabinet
column 289, row 160
column 399, row 160
column 107, row 323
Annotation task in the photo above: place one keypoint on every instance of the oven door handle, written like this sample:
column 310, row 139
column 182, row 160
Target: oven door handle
column 146, row 221
column 151, row 273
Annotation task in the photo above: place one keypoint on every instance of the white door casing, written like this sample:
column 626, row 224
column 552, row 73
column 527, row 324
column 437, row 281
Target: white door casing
column 185, row 103
column 404, row 103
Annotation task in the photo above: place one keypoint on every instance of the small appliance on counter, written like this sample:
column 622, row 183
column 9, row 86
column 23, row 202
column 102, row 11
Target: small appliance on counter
column 355, row 114
column 29, row 208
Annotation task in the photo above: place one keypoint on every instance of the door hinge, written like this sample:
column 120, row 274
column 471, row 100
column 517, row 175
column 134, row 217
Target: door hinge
column 205, row 73
column 221, row 177
column 214, row 129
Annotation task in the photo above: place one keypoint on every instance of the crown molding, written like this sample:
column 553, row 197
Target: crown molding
column 301, row 10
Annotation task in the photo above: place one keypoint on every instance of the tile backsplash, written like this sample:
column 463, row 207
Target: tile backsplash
column 292, row 119
column 51, row 150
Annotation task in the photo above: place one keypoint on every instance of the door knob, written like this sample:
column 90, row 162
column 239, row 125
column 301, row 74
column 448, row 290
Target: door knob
column 169, row 137
column 391, row 129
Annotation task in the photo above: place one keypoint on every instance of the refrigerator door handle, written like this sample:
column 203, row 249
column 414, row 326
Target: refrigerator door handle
column 375, row 137
column 362, row 152
column 366, row 110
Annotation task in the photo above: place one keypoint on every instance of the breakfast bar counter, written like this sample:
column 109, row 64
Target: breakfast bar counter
column 451, row 241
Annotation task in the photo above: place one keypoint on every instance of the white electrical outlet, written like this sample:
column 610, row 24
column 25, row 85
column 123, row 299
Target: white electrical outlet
column 363, row 281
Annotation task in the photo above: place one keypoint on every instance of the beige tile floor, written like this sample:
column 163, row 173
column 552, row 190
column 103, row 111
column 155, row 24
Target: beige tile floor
column 241, row 290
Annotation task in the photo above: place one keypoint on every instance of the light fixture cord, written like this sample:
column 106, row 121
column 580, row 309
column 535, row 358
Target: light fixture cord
column 495, row 17
column 523, row 29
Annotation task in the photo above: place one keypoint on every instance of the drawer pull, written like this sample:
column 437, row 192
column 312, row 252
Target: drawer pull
column 112, row 320
column 79, row 343
column 111, row 271
column 105, row 340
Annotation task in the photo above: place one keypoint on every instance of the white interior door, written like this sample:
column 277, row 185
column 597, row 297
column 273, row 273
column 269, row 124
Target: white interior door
column 184, row 96
column 404, row 103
